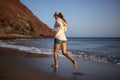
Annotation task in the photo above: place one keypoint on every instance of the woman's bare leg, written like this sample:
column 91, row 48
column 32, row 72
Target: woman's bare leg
column 56, row 48
column 63, row 46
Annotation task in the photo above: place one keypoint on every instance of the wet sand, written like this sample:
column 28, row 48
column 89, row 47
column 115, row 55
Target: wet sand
column 12, row 69
column 18, row 65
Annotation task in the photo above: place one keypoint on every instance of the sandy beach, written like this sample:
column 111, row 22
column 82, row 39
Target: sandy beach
column 12, row 69
column 18, row 65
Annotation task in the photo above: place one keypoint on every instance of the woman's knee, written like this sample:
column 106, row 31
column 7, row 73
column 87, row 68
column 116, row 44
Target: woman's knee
column 55, row 51
column 64, row 52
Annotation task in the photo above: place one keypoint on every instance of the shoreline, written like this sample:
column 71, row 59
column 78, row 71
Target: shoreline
column 12, row 69
column 19, row 65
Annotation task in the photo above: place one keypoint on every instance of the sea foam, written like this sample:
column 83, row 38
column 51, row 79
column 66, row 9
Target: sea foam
column 82, row 55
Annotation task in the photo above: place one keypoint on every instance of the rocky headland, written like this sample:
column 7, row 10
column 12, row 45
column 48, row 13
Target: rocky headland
column 17, row 21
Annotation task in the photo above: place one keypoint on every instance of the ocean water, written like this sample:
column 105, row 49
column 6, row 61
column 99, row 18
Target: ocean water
column 97, row 49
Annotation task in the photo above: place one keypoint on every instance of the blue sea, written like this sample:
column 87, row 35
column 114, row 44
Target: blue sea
column 105, row 49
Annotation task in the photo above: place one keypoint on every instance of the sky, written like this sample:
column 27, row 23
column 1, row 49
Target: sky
column 85, row 18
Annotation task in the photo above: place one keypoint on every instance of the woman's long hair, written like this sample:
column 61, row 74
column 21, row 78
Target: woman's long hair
column 62, row 17
column 59, row 14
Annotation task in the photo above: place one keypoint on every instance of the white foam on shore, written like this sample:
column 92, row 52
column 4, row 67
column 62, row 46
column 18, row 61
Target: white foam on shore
column 36, row 50
column 29, row 49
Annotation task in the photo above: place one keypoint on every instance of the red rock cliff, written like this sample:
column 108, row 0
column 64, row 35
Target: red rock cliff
column 16, row 20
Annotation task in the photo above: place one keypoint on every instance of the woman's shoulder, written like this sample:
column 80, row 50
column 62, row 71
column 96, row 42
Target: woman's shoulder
column 60, row 21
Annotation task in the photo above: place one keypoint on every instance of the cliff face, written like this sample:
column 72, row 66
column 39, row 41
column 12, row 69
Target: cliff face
column 16, row 20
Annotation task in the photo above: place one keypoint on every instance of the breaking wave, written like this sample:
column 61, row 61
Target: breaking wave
column 36, row 50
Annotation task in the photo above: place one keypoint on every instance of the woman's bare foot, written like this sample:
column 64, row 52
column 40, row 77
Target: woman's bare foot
column 75, row 65
column 55, row 66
